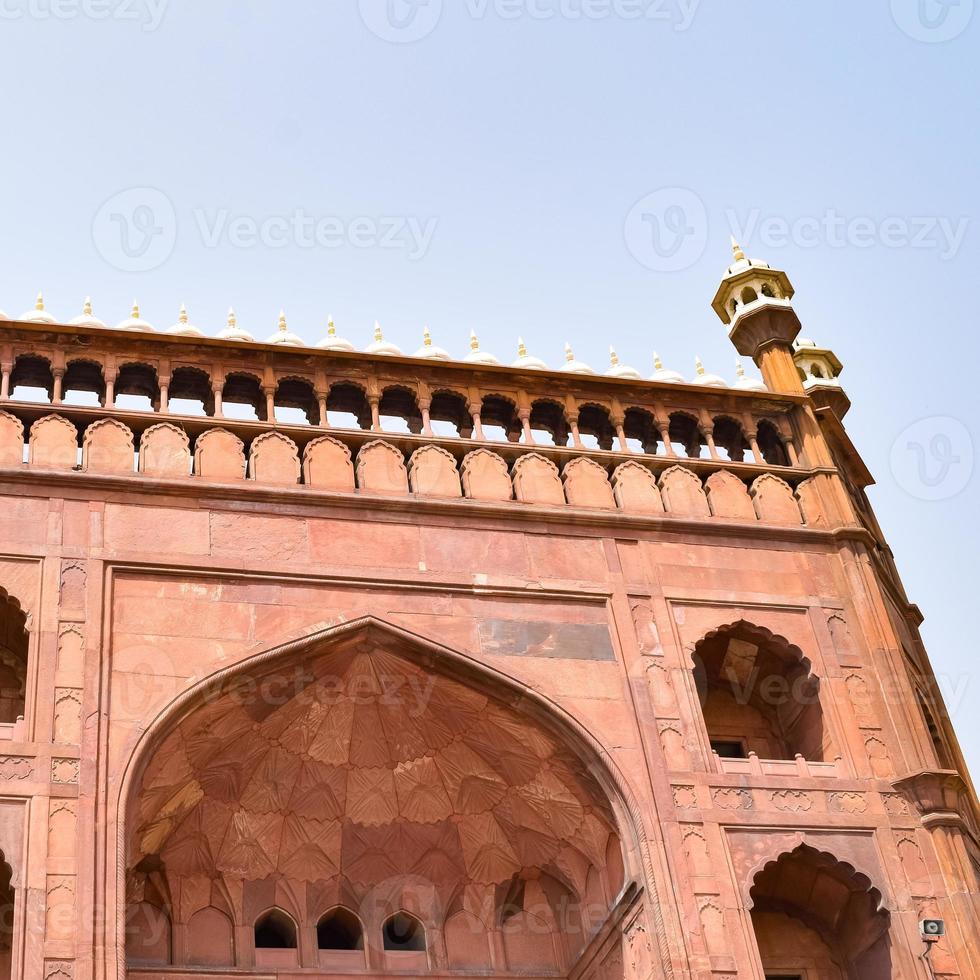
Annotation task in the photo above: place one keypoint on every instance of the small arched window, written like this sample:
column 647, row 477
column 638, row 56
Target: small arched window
column 403, row 932
column 339, row 929
column 275, row 930
column 749, row 295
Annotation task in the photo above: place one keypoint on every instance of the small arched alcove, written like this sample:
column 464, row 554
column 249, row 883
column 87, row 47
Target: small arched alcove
column 14, row 645
column 403, row 933
column 275, row 939
column 816, row 916
column 758, row 695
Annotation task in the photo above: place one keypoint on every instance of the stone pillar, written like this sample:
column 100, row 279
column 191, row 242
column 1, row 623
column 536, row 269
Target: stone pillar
column 59, row 380
column 165, row 395
column 525, row 416
column 5, row 370
column 216, row 390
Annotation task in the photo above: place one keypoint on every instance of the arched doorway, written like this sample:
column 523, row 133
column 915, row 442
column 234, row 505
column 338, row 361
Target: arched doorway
column 819, row 918
column 432, row 808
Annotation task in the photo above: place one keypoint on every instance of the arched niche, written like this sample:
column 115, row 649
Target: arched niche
column 759, row 695
column 815, row 915
column 465, row 784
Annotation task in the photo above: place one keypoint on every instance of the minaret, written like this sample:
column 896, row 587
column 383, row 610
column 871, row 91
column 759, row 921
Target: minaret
column 753, row 301
column 819, row 369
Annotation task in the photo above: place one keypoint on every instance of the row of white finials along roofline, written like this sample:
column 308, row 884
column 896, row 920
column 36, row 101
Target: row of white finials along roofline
column 428, row 351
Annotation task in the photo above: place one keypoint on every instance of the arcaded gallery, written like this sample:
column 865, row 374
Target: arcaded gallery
column 317, row 661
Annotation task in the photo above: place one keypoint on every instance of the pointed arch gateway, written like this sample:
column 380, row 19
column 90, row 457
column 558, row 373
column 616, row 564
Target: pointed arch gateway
column 365, row 768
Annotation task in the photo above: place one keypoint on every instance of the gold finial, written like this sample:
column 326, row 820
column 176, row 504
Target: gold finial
column 232, row 319
column 657, row 363
column 613, row 357
column 426, row 337
column 569, row 353
column 739, row 370
column 331, row 327
column 377, row 331
column 135, row 312
column 183, row 314
column 521, row 349
column 699, row 366
column 282, row 321
column 737, row 251
column 87, row 306
column 39, row 303
column 474, row 343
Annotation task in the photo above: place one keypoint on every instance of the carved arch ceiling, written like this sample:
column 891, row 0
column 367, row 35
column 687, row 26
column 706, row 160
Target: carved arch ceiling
column 360, row 761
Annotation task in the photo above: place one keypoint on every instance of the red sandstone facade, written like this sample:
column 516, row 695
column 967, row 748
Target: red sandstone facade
column 288, row 699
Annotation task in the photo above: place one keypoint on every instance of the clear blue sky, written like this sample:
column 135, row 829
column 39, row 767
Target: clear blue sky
column 522, row 142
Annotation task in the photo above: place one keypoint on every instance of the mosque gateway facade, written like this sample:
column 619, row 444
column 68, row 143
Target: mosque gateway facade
column 318, row 661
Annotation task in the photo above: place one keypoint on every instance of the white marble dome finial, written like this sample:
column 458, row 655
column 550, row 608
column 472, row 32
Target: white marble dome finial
column 332, row 341
column 572, row 365
column 232, row 330
column 745, row 383
column 428, row 350
column 39, row 314
column 664, row 374
column 283, row 336
column 87, row 318
column 525, row 360
column 619, row 370
column 706, row 379
column 477, row 356
column 382, row 346
column 183, row 327
column 135, row 320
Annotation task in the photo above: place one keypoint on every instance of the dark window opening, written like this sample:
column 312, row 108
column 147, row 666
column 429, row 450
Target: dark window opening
column 405, row 933
column 729, row 749
column 339, row 929
column 275, row 930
